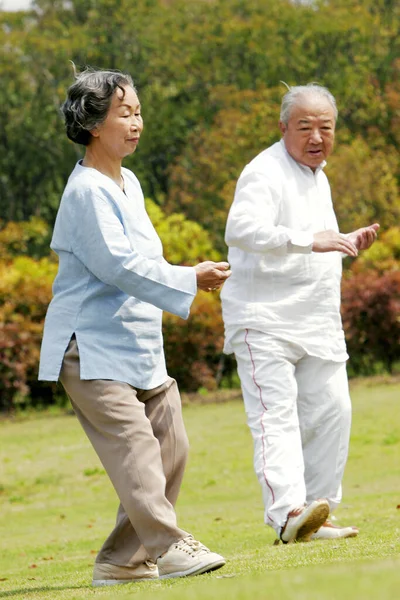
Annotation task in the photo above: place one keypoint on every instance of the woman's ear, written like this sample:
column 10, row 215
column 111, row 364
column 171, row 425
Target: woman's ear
column 94, row 132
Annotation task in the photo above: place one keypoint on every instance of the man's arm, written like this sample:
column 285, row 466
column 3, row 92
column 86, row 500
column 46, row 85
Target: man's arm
column 252, row 224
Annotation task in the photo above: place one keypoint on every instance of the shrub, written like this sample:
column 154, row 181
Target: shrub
column 193, row 347
column 25, row 291
column 383, row 255
column 371, row 320
column 184, row 241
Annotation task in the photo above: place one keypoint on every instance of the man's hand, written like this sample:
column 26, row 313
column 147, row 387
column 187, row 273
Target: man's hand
column 364, row 238
column 332, row 241
column 211, row 275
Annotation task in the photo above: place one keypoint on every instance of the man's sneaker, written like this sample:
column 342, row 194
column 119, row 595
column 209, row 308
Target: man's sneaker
column 329, row 531
column 304, row 521
column 188, row 557
column 105, row 574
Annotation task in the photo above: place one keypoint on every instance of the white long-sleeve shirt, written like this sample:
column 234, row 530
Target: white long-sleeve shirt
column 278, row 285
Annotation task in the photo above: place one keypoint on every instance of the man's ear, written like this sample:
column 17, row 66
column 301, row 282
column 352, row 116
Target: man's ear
column 282, row 127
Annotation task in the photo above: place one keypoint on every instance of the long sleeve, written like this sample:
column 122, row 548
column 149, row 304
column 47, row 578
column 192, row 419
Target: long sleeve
column 98, row 240
column 253, row 217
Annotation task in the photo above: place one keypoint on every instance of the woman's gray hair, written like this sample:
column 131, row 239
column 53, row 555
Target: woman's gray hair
column 88, row 101
column 298, row 92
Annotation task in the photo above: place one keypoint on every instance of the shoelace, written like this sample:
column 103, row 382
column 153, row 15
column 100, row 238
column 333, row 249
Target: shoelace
column 149, row 563
column 191, row 546
column 328, row 523
column 296, row 512
column 293, row 513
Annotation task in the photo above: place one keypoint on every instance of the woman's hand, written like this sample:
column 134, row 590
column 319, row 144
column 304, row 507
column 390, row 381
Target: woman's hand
column 211, row 275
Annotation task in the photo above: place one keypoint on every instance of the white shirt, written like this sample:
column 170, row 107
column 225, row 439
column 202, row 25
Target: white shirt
column 112, row 284
column 278, row 285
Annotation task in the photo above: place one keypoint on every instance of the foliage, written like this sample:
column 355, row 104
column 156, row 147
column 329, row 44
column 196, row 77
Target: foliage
column 371, row 320
column 34, row 149
column 180, row 53
column 203, row 179
column 383, row 256
column 31, row 238
column 193, row 347
column 185, row 242
column 25, row 291
column 365, row 186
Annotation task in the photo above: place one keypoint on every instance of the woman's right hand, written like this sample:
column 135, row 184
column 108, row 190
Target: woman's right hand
column 211, row 275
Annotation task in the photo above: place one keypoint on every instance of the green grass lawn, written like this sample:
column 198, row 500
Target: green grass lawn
column 57, row 506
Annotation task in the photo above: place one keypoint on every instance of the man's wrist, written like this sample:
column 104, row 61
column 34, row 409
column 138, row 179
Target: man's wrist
column 301, row 242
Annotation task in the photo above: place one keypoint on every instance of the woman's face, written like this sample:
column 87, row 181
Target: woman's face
column 118, row 136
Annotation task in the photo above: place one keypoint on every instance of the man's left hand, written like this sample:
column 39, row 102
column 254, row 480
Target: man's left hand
column 364, row 237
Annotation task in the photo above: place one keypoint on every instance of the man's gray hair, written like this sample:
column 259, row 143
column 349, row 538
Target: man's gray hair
column 298, row 92
column 88, row 101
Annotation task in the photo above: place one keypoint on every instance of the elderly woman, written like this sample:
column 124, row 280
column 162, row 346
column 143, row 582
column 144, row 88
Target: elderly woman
column 103, row 340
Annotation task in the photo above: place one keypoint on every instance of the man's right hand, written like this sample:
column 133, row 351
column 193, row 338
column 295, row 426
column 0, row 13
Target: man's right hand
column 332, row 241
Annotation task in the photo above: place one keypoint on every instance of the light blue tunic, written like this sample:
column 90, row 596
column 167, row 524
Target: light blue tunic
column 112, row 284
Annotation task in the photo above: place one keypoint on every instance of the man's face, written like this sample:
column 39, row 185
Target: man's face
column 310, row 132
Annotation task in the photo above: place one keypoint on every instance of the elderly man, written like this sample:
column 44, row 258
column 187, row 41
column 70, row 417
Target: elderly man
column 281, row 310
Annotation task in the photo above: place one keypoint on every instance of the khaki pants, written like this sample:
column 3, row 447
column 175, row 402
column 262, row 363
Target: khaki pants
column 140, row 438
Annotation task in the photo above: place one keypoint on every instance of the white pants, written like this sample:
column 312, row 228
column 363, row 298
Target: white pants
column 299, row 413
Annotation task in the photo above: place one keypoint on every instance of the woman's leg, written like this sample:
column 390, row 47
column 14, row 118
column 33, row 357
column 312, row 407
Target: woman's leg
column 163, row 409
column 121, row 433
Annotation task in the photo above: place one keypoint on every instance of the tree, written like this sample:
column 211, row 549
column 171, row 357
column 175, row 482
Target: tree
column 364, row 185
column 204, row 177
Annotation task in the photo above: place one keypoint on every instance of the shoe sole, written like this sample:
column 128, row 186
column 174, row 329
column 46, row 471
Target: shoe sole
column 108, row 582
column 312, row 523
column 200, row 570
column 350, row 534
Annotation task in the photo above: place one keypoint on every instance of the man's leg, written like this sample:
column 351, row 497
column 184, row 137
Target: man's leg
column 121, row 433
column 266, row 369
column 163, row 409
column 324, row 410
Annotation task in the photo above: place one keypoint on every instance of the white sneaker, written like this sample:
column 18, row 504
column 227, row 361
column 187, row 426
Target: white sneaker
column 329, row 531
column 304, row 521
column 188, row 557
column 106, row 574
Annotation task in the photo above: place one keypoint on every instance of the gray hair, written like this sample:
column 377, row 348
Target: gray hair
column 298, row 92
column 88, row 101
